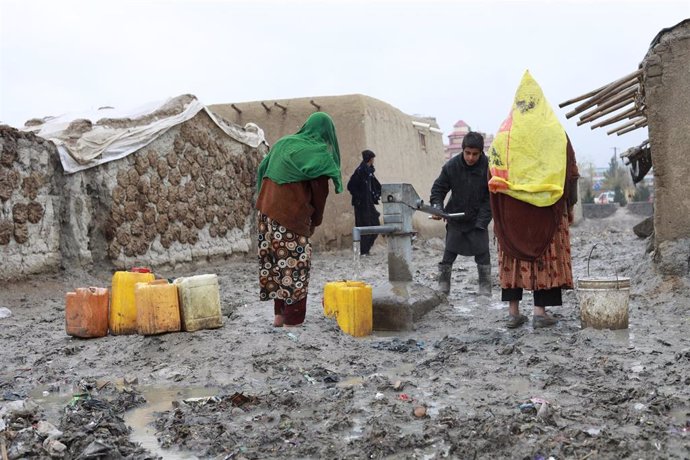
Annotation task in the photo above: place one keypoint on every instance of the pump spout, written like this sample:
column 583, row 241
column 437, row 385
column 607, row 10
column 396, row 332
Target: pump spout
column 357, row 232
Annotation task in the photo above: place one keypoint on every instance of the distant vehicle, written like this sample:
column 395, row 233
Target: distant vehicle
column 605, row 198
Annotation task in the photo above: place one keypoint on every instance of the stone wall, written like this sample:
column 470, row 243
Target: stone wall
column 186, row 197
column 667, row 96
column 30, row 205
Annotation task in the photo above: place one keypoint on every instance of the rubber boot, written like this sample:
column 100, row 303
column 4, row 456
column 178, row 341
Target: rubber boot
column 484, row 280
column 444, row 271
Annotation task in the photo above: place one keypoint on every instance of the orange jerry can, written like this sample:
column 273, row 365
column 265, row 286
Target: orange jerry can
column 123, row 312
column 158, row 307
column 86, row 312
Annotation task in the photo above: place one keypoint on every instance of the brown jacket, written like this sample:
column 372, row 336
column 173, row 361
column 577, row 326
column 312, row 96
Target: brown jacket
column 297, row 206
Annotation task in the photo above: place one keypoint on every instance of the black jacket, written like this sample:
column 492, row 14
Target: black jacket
column 364, row 187
column 469, row 193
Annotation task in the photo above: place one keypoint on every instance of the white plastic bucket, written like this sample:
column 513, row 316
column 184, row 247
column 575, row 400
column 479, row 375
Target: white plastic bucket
column 604, row 302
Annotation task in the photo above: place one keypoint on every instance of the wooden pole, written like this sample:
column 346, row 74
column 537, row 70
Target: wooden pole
column 629, row 77
column 629, row 114
column 601, row 96
column 633, row 128
column 605, row 112
column 626, row 124
column 629, row 93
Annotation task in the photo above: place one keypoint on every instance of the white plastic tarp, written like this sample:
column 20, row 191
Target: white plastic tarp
column 111, row 134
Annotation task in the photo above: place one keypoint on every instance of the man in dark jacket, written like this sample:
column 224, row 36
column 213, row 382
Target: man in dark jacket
column 366, row 191
column 465, row 176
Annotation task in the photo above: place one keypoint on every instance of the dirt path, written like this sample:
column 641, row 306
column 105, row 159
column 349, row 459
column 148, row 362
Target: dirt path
column 317, row 393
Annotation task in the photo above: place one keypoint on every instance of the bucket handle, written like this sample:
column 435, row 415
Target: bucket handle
column 588, row 259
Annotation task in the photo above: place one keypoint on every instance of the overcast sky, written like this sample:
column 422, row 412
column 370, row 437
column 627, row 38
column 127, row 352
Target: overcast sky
column 450, row 60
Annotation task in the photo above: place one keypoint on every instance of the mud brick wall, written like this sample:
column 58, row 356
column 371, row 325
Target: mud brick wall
column 29, row 205
column 187, row 196
column 599, row 211
column 641, row 208
column 667, row 96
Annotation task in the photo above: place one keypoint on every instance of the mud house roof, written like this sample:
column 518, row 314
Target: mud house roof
column 295, row 110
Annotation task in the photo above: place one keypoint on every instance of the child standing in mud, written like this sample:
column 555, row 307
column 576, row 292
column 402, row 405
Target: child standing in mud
column 293, row 186
column 465, row 177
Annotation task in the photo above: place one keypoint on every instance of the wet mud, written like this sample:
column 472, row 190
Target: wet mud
column 460, row 385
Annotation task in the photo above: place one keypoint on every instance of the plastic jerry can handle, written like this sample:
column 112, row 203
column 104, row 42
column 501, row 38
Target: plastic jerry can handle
column 140, row 270
column 156, row 282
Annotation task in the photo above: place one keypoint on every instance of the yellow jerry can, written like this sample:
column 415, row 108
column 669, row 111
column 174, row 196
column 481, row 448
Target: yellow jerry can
column 330, row 303
column 355, row 314
column 158, row 308
column 330, row 306
column 199, row 302
column 123, row 311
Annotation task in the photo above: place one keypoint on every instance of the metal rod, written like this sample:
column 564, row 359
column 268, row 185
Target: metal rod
column 357, row 232
column 318, row 107
column 268, row 109
column 281, row 106
column 236, row 108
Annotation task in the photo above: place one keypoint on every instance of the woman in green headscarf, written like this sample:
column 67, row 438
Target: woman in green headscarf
column 293, row 186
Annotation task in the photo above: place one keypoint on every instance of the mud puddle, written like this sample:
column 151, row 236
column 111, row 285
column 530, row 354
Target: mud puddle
column 160, row 399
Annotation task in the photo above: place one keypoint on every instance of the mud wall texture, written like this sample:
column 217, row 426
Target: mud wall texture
column 186, row 197
column 361, row 123
column 30, row 206
column 667, row 93
column 599, row 211
column 641, row 208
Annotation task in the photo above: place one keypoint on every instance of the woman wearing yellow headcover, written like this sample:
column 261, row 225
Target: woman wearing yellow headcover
column 533, row 179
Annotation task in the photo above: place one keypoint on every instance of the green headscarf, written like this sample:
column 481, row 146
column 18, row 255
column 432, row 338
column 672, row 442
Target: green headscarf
column 312, row 152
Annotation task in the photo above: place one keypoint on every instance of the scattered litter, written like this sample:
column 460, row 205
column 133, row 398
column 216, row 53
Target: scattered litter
column 292, row 336
column 593, row 431
column 404, row 397
column 639, row 406
column 5, row 313
column 419, row 411
column 379, row 396
column 12, row 396
column 527, row 408
column 240, row 399
column 399, row 346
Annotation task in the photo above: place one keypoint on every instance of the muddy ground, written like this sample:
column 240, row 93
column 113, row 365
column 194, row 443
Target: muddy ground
column 486, row 391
